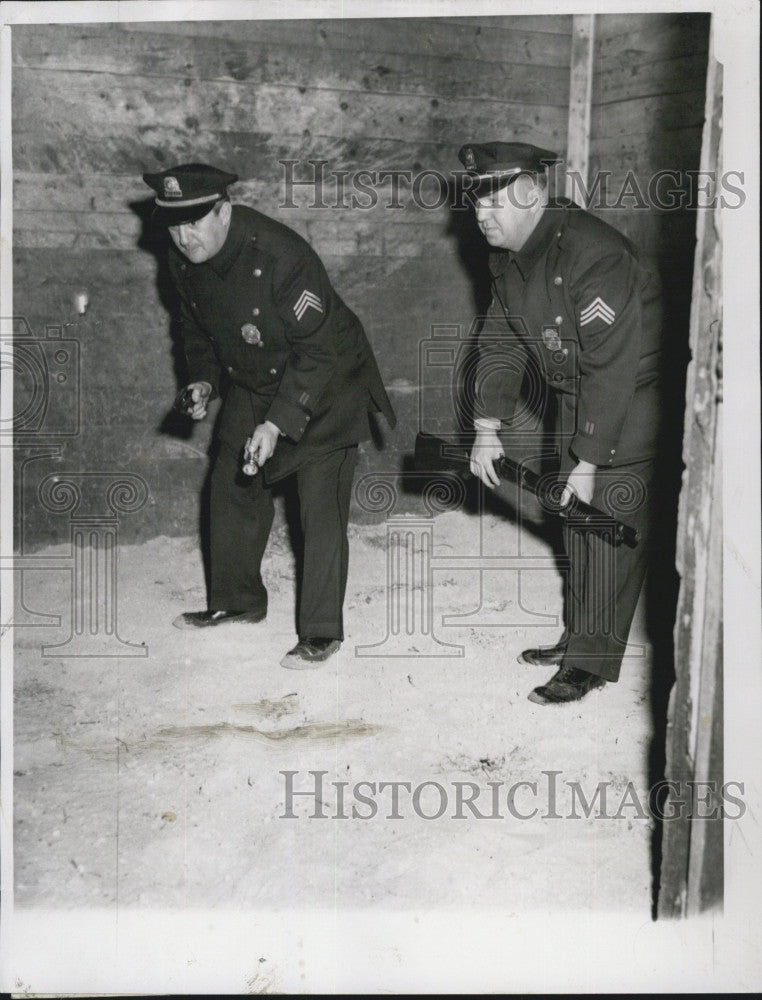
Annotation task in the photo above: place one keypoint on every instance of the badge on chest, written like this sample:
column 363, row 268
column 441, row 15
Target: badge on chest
column 251, row 334
column 551, row 337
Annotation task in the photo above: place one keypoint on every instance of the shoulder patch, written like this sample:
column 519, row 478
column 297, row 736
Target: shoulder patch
column 307, row 300
column 598, row 309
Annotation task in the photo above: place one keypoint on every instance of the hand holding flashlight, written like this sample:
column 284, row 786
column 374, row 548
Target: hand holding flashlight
column 259, row 447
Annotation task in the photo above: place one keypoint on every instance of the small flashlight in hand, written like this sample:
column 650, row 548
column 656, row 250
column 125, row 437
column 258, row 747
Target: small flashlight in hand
column 250, row 467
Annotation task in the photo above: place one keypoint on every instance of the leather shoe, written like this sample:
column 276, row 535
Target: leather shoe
column 544, row 656
column 569, row 684
column 308, row 654
column 205, row 619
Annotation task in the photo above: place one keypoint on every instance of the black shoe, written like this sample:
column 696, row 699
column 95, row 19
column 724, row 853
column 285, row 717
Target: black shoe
column 569, row 684
column 544, row 656
column 205, row 619
column 308, row 654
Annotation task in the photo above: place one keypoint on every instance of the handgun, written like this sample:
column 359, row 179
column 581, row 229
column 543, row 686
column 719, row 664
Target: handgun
column 184, row 400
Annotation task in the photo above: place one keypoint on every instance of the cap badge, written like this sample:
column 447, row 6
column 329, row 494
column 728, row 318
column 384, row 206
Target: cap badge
column 251, row 334
column 470, row 159
column 172, row 188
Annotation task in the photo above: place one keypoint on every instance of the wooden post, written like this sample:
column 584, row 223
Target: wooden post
column 692, row 867
column 580, row 97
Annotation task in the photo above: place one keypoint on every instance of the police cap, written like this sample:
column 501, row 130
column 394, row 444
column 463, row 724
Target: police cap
column 187, row 192
column 493, row 165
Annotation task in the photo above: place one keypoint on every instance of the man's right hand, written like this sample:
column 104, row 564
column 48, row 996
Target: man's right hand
column 486, row 450
column 200, row 393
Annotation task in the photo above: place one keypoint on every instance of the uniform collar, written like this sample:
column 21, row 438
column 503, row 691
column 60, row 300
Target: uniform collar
column 540, row 239
column 224, row 259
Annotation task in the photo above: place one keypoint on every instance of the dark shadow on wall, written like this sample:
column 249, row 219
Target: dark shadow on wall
column 663, row 582
column 472, row 248
column 473, row 253
column 155, row 241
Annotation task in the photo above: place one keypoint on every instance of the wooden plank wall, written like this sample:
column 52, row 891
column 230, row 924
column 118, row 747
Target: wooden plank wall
column 96, row 105
column 647, row 115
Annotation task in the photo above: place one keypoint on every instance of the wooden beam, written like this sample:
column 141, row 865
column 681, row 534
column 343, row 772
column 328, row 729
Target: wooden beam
column 692, row 874
column 580, row 95
column 416, row 36
column 74, row 105
column 99, row 49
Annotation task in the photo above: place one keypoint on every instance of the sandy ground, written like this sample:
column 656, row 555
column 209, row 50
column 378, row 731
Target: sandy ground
column 155, row 781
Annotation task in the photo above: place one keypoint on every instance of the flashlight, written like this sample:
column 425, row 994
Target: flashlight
column 250, row 467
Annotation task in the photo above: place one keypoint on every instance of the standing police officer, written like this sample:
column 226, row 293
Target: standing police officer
column 580, row 319
column 261, row 324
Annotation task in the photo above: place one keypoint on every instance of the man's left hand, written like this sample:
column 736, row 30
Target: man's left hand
column 260, row 446
column 581, row 482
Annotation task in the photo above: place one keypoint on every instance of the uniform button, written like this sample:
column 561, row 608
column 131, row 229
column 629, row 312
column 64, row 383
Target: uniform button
column 257, row 272
column 558, row 356
column 613, row 451
column 559, row 320
column 255, row 311
column 558, row 280
column 273, row 371
column 193, row 305
column 558, row 377
column 231, row 369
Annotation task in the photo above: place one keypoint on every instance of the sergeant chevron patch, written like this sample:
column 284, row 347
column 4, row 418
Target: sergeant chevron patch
column 306, row 301
column 597, row 309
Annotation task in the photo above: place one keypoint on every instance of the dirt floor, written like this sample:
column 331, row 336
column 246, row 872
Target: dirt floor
column 157, row 780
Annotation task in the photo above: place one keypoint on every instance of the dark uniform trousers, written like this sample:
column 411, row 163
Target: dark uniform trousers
column 604, row 581
column 241, row 518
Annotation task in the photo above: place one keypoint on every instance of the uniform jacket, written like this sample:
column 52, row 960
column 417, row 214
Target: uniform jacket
column 262, row 318
column 577, row 309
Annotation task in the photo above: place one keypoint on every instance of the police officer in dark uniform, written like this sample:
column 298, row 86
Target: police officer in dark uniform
column 262, row 325
column 579, row 319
